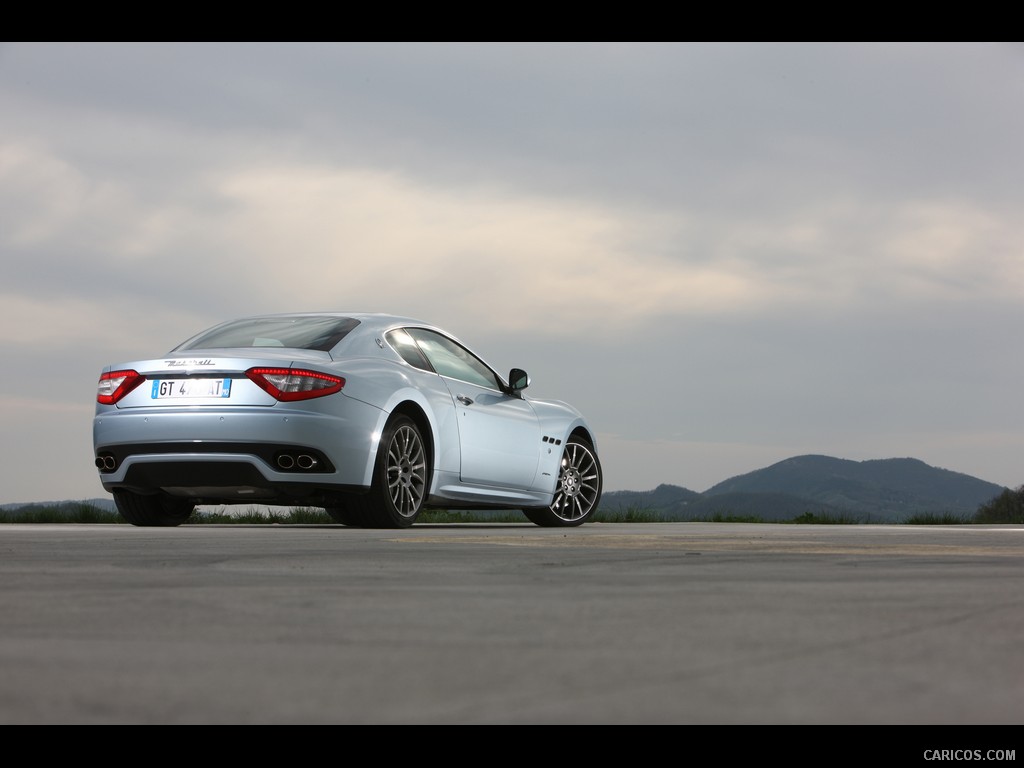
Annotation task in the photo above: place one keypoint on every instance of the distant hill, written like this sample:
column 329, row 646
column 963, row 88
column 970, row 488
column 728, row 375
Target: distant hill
column 879, row 490
column 670, row 500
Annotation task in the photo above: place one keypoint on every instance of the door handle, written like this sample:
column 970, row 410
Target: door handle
column 464, row 400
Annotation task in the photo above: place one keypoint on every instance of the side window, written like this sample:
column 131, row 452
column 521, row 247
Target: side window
column 406, row 346
column 456, row 362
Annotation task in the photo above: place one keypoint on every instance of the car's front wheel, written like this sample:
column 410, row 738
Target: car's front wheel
column 155, row 510
column 577, row 491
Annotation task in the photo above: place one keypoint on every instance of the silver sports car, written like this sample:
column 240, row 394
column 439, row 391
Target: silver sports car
column 372, row 417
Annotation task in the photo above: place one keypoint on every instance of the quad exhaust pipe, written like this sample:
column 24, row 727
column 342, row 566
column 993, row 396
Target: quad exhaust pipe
column 302, row 461
column 289, row 462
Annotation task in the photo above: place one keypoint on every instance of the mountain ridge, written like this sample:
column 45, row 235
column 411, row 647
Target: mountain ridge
column 874, row 490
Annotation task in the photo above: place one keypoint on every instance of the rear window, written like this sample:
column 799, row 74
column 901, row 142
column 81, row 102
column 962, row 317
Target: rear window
column 295, row 332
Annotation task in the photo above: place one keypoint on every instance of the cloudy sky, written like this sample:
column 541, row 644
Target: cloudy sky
column 724, row 254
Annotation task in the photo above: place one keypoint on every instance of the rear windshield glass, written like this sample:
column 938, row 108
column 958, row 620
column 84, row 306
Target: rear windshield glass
column 296, row 332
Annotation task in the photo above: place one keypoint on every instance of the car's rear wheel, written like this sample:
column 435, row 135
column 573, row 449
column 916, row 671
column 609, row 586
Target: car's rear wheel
column 400, row 478
column 153, row 510
column 346, row 515
column 578, row 490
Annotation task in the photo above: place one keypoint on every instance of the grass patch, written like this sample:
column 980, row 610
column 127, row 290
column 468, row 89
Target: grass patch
column 947, row 518
column 72, row 512
column 627, row 515
column 719, row 517
column 85, row 513
column 256, row 516
column 810, row 518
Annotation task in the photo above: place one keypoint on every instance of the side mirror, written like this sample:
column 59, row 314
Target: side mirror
column 518, row 380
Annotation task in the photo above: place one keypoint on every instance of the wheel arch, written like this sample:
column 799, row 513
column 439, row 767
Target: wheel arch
column 583, row 432
column 421, row 406
column 415, row 412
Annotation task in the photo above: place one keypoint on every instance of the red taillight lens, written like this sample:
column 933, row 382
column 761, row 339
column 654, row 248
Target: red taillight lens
column 116, row 384
column 289, row 384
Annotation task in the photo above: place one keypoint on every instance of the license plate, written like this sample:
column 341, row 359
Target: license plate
column 175, row 388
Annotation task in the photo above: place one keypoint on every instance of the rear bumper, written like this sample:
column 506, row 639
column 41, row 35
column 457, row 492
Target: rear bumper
column 232, row 455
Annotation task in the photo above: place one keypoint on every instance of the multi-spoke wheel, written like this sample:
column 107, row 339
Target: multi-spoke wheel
column 578, row 490
column 400, row 477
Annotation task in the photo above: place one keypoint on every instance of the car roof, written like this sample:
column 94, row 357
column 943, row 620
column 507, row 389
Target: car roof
column 378, row 318
column 369, row 322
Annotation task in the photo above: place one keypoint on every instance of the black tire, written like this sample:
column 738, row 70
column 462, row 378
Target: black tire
column 578, row 490
column 400, row 478
column 348, row 515
column 153, row 511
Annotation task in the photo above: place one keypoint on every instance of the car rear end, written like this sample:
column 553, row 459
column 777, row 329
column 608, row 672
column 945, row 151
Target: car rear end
column 231, row 426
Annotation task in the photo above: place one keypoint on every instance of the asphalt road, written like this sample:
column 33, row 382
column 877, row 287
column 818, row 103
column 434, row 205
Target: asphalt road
column 656, row 624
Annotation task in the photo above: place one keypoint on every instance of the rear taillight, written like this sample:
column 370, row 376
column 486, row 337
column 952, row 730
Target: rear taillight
column 289, row 384
column 116, row 384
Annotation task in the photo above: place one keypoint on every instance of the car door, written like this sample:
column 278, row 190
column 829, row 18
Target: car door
column 499, row 434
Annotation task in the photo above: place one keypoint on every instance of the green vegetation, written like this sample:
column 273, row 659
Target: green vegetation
column 1008, row 507
column 88, row 513
column 810, row 518
column 628, row 515
column 718, row 517
column 72, row 512
column 948, row 518
column 293, row 516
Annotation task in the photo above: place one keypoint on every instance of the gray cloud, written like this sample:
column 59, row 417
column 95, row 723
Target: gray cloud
column 725, row 253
